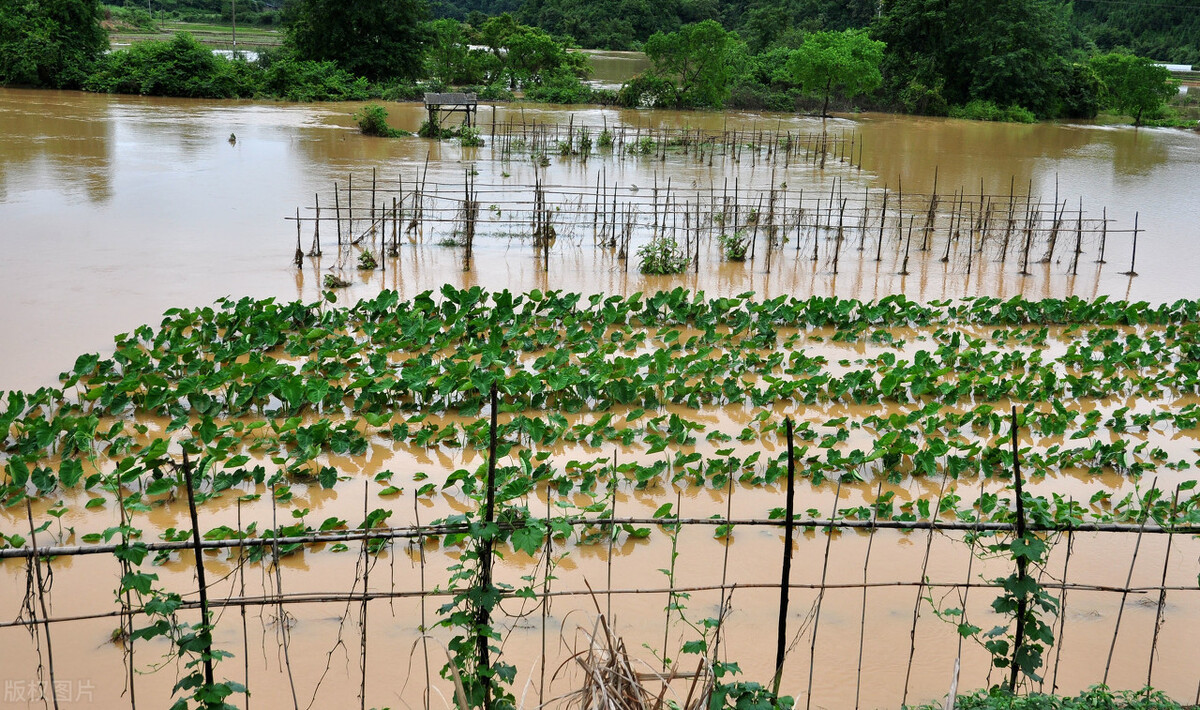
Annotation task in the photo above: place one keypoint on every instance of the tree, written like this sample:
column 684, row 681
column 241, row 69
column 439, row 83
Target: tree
column 49, row 43
column 702, row 59
column 449, row 57
column 1009, row 52
column 1135, row 86
column 847, row 61
column 378, row 39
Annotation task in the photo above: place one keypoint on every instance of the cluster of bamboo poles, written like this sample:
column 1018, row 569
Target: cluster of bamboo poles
column 766, row 146
column 38, row 619
column 963, row 225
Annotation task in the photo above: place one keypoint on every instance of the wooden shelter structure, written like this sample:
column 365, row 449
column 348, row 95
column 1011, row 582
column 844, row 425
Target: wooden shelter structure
column 439, row 104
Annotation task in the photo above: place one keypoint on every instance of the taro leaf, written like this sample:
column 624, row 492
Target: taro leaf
column 70, row 472
column 327, row 477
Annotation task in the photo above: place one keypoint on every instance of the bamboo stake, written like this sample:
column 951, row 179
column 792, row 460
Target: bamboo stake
column 483, row 618
column 862, row 625
column 1022, row 561
column 1125, row 595
column 812, row 653
column 41, row 595
column 1162, row 597
column 912, row 635
column 785, row 579
column 1133, row 256
column 206, row 632
column 285, row 631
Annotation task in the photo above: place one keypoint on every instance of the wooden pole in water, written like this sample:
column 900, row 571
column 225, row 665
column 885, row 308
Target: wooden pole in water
column 1125, row 591
column 882, row 222
column 37, row 567
column 1162, row 595
column 907, row 244
column 784, row 589
column 337, row 207
column 1078, row 239
column 350, row 207
column 862, row 624
column 299, row 258
column 1133, row 256
column 1103, row 235
column 317, row 225
column 206, row 632
column 837, row 244
column 812, row 653
column 362, row 639
column 483, row 618
column 1022, row 561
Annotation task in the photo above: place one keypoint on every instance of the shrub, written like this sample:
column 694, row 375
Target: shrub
column 661, row 255
column 646, row 90
column 470, row 137
column 562, row 89
column 980, row 110
column 180, row 67
column 372, row 121
column 366, row 261
column 306, row 80
column 734, row 246
column 605, row 140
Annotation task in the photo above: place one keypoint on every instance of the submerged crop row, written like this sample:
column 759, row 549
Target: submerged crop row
column 694, row 389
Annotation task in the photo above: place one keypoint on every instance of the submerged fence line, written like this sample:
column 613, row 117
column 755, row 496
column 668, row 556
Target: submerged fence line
column 484, row 586
column 726, row 220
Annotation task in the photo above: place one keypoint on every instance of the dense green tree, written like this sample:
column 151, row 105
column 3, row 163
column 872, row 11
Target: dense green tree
column 1008, row 52
column 49, row 43
column 179, row 67
column 1134, row 86
column 528, row 56
column 378, row 39
column 450, row 58
column 846, row 61
column 701, row 59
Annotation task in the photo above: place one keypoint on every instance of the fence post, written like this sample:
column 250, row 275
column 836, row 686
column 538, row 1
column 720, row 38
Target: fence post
column 789, row 523
column 485, row 560
column 1022, row 563
column 199, row 553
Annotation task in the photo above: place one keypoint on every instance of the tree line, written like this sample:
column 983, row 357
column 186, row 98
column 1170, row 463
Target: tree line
column 990, row 59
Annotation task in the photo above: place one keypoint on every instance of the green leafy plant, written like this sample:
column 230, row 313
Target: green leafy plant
column 366, row 261
column 734, row 246
column 661, row 255
column 372, row 121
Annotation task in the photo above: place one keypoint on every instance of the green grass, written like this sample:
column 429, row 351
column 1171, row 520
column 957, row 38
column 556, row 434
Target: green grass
column 213, row 35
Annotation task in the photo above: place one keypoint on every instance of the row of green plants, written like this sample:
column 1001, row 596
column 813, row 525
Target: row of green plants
column 276, row 396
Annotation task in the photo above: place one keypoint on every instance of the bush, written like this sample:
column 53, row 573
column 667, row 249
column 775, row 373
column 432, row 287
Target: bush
column 470, row 137
column 918, row 98
column 134, row 17
column 1094, row 698
column 980, row 110
column 180, row 67
column 646, row 90
column 306, row 80
column 661, row 255
column 372, row 121
column 563, row 89
column 734, row 246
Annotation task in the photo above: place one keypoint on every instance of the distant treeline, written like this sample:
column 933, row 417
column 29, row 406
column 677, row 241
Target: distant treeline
column 1165, row 30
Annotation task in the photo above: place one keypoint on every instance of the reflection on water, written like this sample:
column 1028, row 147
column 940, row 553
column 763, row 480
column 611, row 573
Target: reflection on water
column 49, row 139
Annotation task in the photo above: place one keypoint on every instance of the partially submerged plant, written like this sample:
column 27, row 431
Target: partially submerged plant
column 734, row 246
column 662, row 255
column 366, row 261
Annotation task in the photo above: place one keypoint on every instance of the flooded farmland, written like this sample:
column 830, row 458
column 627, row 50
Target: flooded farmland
column 118, row 208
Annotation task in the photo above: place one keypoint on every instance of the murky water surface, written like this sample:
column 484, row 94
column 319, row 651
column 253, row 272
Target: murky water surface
column 117, row 208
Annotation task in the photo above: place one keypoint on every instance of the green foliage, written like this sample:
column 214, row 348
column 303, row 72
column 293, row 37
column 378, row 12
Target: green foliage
column 1134, row 86
column 1012, row 54
column 1164, row 29
column 980, row 110
column 1097, row 697
column 470, row 137
column 136, row 17
column 1082, row 92
column 701, row 60
column 844, row 61
column 734, row 246
column 451, row 60
column 647, row 89
column 378, row 39
column 563, row 89
column 372, row 121
column 50, row 44
column 366, row 261
column 661, row 255
column 287, row 77
column 177, row 67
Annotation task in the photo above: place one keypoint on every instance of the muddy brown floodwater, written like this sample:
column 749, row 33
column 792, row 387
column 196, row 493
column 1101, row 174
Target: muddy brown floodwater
column 114, row 209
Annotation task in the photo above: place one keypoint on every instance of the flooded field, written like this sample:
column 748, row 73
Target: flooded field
column 118, row 208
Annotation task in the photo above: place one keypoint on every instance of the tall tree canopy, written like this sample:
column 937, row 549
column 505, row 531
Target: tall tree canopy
column 1009, row 52
column 378, row 39
column 1135, row 86
column 847, row 61
column 49, row 43
column 701, row 59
